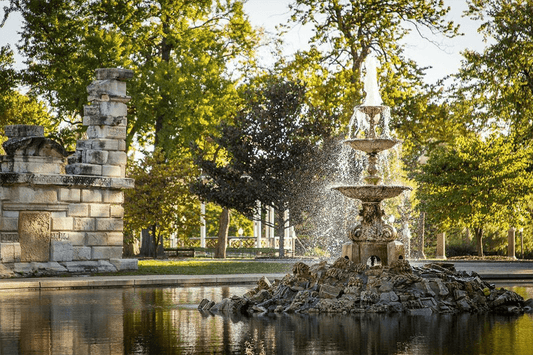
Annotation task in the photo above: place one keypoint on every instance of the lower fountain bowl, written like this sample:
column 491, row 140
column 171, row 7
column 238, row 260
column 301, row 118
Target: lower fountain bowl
column 371, row 193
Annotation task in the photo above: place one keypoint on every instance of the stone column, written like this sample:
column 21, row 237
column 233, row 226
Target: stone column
column 104, row 153
column 293, row 240
column 521, row 243
column 441, row 246
column 99, row 213
column 420, row 236
column 405, row 238
column 511, row 250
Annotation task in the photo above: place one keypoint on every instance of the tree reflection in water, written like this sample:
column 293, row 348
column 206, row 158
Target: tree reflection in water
column 166, row 321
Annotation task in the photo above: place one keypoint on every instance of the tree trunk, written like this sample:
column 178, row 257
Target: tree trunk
column 156, row 241
column 147, row 243
column 467, row 237
column 223, row 228
column 166, row 49
column 281, row 231
column 128, row 249
column 478, row 232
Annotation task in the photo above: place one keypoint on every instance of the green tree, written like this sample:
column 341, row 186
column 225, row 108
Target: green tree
column 238, row 221
column 345, row 33
column 160, row 201
column 498, row 81
column 187, row 57
column 475, row 183
column 17, row 108
column 185, row 54
column 268, row 146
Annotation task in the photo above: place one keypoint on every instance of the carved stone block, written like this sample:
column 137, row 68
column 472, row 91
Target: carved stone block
column 34, row 236
column 21, row 130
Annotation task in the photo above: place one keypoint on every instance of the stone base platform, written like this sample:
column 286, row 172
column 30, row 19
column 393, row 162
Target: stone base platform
column 53, row 268
column 374, row 253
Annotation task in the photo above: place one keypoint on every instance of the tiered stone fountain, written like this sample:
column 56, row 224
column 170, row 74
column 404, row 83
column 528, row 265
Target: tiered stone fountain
column 373, row 275
column 372, row 240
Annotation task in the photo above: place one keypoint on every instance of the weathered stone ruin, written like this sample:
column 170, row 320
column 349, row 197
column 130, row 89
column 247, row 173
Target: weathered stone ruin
column 57, row 217
column 347, row 287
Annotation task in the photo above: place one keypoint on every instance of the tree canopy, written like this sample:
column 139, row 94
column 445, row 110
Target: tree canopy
column 490, row 95
column 184, row 54
column 160, row 201
column 268, row 147
column 345, row 33
column 474, row 182
column 15, row 107
column 498, row 82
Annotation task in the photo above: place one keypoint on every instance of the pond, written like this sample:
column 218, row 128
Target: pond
column 166, row 321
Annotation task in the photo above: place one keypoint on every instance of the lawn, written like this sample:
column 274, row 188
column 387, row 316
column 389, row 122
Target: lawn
column 206, row 267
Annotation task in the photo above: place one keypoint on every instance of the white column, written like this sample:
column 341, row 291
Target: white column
column 257, row 225
column 293, row 240
column 511, row 247
column 202, row 225
column 286, row 230
column 270, row 226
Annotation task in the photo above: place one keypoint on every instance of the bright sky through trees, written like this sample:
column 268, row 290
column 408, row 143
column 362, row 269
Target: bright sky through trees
column 444, row 58
column 440, row 53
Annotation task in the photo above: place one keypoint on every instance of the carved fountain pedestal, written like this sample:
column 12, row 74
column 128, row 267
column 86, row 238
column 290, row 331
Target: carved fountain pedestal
column 372, row 240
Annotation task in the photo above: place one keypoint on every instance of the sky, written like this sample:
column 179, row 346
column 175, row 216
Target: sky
column 443, row 59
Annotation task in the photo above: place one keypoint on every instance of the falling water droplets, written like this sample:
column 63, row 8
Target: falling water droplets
column 358, row 124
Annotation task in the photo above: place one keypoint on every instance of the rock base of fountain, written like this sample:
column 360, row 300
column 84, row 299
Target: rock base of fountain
column 348, row 287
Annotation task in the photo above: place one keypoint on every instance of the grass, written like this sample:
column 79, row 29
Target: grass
column 205, row 267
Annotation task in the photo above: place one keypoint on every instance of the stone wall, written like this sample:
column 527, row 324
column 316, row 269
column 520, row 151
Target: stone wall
column 67, row 216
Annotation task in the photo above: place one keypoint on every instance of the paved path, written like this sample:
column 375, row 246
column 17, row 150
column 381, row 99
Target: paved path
column 501, row 271
column 50, row 283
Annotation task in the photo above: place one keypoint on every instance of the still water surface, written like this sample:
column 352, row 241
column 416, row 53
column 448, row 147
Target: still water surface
column 165, row 321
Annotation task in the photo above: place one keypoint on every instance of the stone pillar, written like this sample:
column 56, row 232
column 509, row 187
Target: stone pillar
column 441, row 246
column 73, row 218
column 203, row 230
column 405, row 238
column 511, row 249
column 521, row 243
column 293, row 240
column 104, row 153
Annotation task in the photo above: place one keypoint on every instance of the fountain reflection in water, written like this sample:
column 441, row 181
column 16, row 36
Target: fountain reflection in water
column 165, row 321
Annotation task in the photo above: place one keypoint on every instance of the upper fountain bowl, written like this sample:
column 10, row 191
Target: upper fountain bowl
column 371, row 193
column 372, row 145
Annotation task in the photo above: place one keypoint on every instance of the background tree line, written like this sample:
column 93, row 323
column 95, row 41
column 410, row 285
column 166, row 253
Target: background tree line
column 200, row 100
